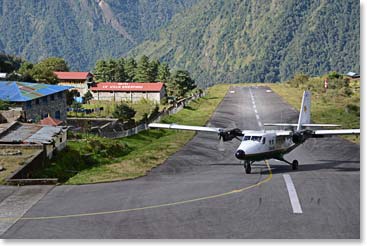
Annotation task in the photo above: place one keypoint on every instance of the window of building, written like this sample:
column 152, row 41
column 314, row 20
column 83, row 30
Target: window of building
column 37, row 101
column 52, row 97
column 44, row 99
column 59, row 95
column 57, row 114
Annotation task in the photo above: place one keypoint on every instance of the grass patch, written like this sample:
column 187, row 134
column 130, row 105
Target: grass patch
column 333, row 106
column 91, row 160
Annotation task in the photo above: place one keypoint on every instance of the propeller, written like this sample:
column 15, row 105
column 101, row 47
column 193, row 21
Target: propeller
column 228, row 135
column 299, row 137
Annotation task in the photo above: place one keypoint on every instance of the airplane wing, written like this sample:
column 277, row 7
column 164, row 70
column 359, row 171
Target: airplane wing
column 184, row 127
column 320, row 133
column 337, row 132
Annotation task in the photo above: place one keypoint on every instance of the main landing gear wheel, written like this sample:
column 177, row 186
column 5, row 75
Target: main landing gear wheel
column 295, row 165
column 247, row 167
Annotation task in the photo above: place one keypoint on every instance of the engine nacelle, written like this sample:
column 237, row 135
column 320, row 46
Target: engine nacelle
column 230, row 134
column 301, row 136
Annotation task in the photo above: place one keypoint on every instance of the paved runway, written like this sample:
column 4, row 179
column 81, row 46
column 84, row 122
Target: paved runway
column 186, row 186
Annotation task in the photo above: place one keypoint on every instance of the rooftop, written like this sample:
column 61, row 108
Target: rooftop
column 49, row 121
column 73, row 75
column 28, row 133
column 121, row 86
column 14, row 91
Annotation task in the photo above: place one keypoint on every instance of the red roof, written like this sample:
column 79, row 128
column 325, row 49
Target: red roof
column 121, row 86
column 73, row 75
column 49, row 121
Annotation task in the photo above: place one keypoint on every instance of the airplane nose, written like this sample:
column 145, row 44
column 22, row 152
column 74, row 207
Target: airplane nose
column 240, row 154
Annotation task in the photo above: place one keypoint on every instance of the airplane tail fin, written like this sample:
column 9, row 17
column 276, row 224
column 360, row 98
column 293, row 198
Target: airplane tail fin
column 305, row 111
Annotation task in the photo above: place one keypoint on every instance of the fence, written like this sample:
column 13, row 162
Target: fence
column 144, row 126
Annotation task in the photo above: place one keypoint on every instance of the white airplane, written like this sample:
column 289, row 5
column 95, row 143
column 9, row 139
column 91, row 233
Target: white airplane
column 270, row 144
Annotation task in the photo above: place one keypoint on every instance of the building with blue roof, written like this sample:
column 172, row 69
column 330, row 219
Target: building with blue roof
column 36, row 100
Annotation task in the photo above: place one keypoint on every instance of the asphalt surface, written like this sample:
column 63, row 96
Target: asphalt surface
column 327, row 184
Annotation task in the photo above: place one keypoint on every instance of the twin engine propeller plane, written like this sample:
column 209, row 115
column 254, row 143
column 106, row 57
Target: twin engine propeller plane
column 270, row 144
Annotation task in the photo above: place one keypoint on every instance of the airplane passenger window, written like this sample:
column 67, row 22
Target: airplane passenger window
column 256, row 138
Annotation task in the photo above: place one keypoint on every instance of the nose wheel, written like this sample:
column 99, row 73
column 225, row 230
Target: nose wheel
column 247, row 166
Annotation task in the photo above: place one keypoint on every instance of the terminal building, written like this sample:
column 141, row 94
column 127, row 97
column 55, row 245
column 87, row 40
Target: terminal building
column 133, row 92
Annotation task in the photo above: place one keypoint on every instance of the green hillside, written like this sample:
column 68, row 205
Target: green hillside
column 81, row 32
column 215, row 40
column 236, row 41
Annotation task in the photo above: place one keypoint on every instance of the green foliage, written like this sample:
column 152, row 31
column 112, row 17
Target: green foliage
column 334, row 75
column 180, row 83
column 8, row 63
column 87, row 96
column 130, row 69
column 78, row 30
column 163, row 73
column 237, row 41
column 4, row 105
column 144, row 70
column 53, row 64
column 101, row 71
column 124, row 112
column 70, row 94
column 43, row 71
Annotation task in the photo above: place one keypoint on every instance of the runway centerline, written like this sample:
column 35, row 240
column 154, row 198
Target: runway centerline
column 268, row 178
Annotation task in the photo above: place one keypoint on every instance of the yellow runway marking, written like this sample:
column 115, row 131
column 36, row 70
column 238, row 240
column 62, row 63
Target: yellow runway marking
column 268, row 178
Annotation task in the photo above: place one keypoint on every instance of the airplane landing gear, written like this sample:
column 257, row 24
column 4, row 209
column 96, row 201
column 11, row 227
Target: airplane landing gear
column 247, row 166
column 294, row 163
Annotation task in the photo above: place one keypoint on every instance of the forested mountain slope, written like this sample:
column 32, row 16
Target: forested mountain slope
column 260, row 40
column 81, row 31
column 216, row 40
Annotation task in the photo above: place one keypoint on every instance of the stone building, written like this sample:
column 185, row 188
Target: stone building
column 37, row 101
column 50, row 137
column 79, row 81
column 121, row 91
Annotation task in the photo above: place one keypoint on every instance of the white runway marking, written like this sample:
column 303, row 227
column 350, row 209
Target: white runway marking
column 254, row 106
column 296, row 206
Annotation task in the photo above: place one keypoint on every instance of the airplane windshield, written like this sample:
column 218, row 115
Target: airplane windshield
column 245, row 138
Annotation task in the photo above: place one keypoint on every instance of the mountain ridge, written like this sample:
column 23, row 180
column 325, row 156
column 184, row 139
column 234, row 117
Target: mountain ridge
column 216, row 40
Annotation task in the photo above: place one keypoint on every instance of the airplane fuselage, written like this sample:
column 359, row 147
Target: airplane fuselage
column 263, row 147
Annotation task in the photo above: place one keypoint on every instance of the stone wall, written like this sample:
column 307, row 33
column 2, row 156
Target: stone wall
column 40, row 108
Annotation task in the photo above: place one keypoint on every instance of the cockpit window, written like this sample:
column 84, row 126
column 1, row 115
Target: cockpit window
column 245, row 138
column 256, row 138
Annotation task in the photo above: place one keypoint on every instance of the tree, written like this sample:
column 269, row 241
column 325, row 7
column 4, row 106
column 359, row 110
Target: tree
column 70, row 96
column 180, row 83
column 101, row 71
column 111, row 70
column 87, row 97
column 143, row 70
column 54, row 64
column 25, row 71
column 163, row 72
column 124, row 112
column 120, row 75
column 130, row 69
column 41, row 73
column 153, row 67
